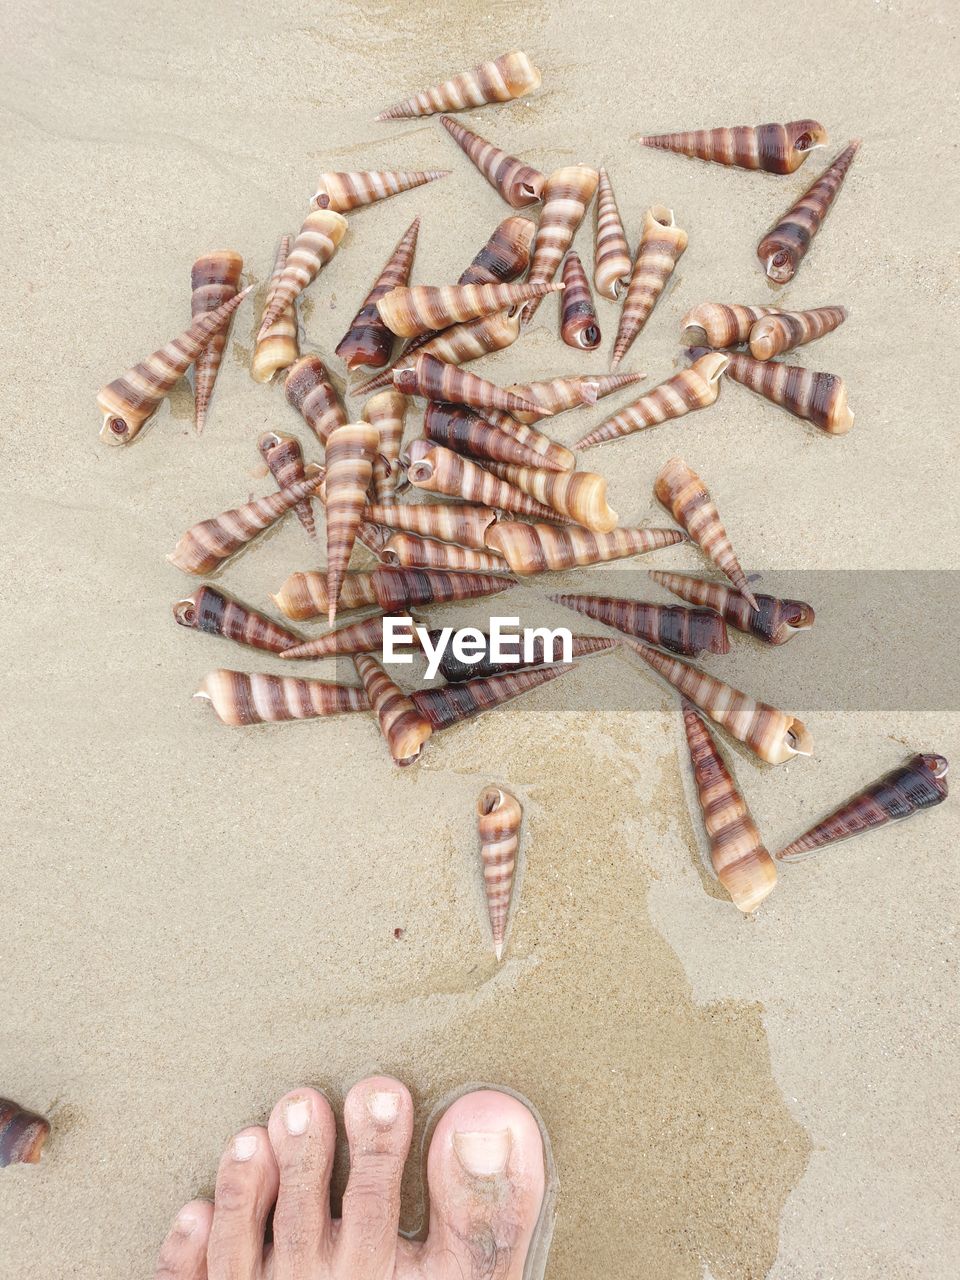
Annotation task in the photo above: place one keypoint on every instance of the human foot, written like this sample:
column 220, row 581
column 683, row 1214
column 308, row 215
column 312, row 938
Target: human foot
column 485, row 1172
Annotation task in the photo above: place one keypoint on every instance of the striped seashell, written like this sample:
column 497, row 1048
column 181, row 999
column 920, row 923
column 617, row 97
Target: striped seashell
column 210, row 611
column 458, row 345
column 438, row 470
column 693, row 388
column 316, row 243
column 788, row 329
column 685, row 496
column 350, row 454
column 499, row 818
column 775, row 148
column 404, row 727
column 434, row 379
column 671, row 627
column 553, row 396
column 740, row 860
column 22, row 1134
column 240, row 698
column 579, row 326
column 784, row 247
column 410, row 551
column 721, row 324
column 309, row 390
column 612, row 262
column 510, row 76
column 566, row 195
column 284, row 458
column 368, row 340
column 304, row 595
column 773, row 620
column 206, row 545
column 464, row 431
column 579, row 495
column 770, row 734
column 214, row 280
column 278, row 345
column 535, row 548
column 365, row 636
column 447, row 705
column 449, row 521
column 341, row 192
column 919, row 784
column 387, row 412
column 556, row 457
column 128, row 401
column 518, row 183
column 458, row 670
column 409, row 312
column 505, row 256
column 820, row 398
column 662, row 244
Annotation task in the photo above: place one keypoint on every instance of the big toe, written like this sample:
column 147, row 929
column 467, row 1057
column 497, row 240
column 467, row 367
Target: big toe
column 183, row 1255
column 487, row 1176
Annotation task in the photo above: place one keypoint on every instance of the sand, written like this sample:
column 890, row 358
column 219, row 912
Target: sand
column 198, row 919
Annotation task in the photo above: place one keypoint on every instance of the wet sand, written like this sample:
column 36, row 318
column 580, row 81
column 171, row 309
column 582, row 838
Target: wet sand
column 198, row 919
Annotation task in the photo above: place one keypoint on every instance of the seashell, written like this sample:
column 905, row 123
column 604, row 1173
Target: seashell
column 277, row 345
column 535, row 548
column 205, row 545
column 722, row 324
column 919, row 784
column 685, row 496
column 214, row 280
column 773, row 620
column 518, row 183
column 505, row 256
column 341, row 192
column 22, row 1134
column 785, row 330
column 770, row 734
column 579, row 495
column 404, row 727
column 459, row 344
column 368, row 340
column 464, row 431
column 694, row 388
column 662, row 244
column 128, row 401
column 742, row 863
column 612, row 263
column 304, row 595
column 560, row 394
column 783, row 248
column 410, row 551
column 409, row 312
column 671, row 627
column 309, row 390
column 240, row 698
column 438, row 470
column 510, row 76
column 499, row 817
column 210, row 611
column 455, row 671
column 434, row 379
column 820, row 398
column 579, row 326
column 350, row 454
column 284, row 458
column 316, row 243
column 552, row 455
column 449, row 521
column 365, row 636
column 448, row 704
column 566, row 195
column 387, row 413
column 775, row 148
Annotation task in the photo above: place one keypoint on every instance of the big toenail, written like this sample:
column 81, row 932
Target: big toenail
column 187, row 1222
column 296, row 1117
column 384, row 1107
column 483, row 1154
column 244, row 1146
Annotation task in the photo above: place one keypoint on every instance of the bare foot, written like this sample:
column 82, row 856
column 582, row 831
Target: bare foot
column 485, row 1172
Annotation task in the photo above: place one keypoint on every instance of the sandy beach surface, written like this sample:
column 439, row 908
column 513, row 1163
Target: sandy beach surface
column 197, row 918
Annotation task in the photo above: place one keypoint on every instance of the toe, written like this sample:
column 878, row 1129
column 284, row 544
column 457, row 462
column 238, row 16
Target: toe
column 487, row 1178
column 303, row 1134
column 184, row 1252
column 246, row 1190
column 378, row 1116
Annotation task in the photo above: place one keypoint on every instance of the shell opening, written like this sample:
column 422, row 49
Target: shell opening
column 589, row 337
column 185, row 612
column 490, row 801
column 389, row 556
column 118, row 426
column 938, row 765
column 798, row 739
column 662, row 215
column 321, row 200
column 269, row 440
column 420, row 472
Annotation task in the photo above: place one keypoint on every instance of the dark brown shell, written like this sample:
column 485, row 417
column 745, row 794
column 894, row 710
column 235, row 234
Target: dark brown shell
column 519, row 184
column 784, row 247
column 579, row 326
column 210, row 611
column 449, row 704
column 777, row 148
column 368, row 341
column 671, row 627
column 455, row 671
column 773, row 620
column 22, row 1134
column 284, row 458
column 463, row 431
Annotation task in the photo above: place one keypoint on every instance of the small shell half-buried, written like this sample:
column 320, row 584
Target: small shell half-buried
column 537, row 548
column 439, row 470
column 694, row 388
column 721, row 324
column 518, row 183
column 410, row 551
column 239, row 698
column 499, row 818
column 308, row 388
column 820, row 398
column 342, row 192
column 671, row 627
column 456, row 670
column 770, row 734
column 773, row 620
column 788, row 329
column 510, row 76
column 662, row 243
column 448, row 704
column 215, row 614
column 460, row 429
column 777, row 148
column 368, row 341
column 784, row 247
column 579, row 326
column 304, row 595
column 404, row 727
column 612, row 263
column 408, row 312
column 457, row 345
column 459, row 522
column 278, row 345
column 22, row 1134
column 578, row 495
column 919, row 784
column 214, row 280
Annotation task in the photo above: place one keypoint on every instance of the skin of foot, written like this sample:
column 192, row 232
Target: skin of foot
column 485, row 1173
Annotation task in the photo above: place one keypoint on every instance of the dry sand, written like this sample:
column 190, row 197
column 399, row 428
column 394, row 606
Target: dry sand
column 198, row 919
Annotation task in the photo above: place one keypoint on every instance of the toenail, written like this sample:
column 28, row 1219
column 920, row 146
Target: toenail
column 244, row 1146
column 296, row 1116
column 483, row 1154
column 384, row 1107
column 187, row 1222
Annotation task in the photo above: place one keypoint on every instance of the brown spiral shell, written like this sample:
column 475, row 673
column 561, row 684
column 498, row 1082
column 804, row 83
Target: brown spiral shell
column 448, row 704
column 284, row 458
column 22, row 1134
column 459, row 522
column 776, row 148
column 215, row 614
column 721, row 324
column 459, row 344
column 214, row 280
column 463, row 431
column 368, row 340
column 410, row 551
column 241, row 698
column 434, row 379
column 405, row 729
column 304, row 595
column 579, row 326
column 350, row 454
column 566, row 194
column 316, row 243
column 787, row 329
column 439, row 470
column 309, row 390
column 535, row 548
column 510, row 76
column 455, row 670
column 408, row 312
column 694, row 388
column 387, row 413
column 784, row 247
column 662, row 244
column 671, row 627
column 278, row 345
column 773, row 620
column 365, row 636
column 612, row 262
column 579, row 495
column 499, row 818
column 556, row 457
column 518, row 183
column 820, row 398
column 341, row 192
